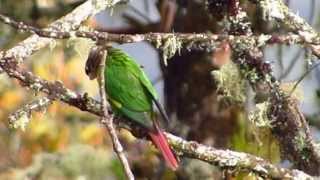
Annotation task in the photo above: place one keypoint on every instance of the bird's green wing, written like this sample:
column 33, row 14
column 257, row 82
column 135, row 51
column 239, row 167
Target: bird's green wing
column 140, row 117
column 147, row 84
column 124, row 86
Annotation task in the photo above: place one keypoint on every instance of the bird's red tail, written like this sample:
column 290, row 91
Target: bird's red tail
column 161, row 143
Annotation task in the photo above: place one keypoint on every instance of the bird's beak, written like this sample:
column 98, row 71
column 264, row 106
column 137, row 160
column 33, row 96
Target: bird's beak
column 92, row 76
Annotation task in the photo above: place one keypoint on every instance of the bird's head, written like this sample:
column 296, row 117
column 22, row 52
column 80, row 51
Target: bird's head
column 94, row 59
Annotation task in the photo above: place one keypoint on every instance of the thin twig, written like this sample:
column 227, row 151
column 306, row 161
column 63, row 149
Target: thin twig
column 107, row 120
column 280, row 57
column 312, row 13
column 302, row 77
column 20, row 118
column 294, row 60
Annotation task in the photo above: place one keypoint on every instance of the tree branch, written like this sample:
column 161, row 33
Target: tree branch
column 20, row 118
column 107, row 120
column 276, row 9
column 67, row 23
column 227, row 159
column 288, row 124
column 187, row 40
column 291, row 127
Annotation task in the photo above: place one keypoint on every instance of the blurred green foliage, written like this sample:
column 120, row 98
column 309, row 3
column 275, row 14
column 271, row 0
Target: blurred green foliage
column 77, row 162
column 254, row 140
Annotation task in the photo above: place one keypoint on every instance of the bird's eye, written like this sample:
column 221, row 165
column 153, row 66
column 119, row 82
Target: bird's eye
column 87, row 70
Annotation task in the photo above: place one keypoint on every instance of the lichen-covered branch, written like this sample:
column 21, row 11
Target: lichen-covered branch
column 292, row 130
column 67, row 23
column 188, row 41
column 55, row 90
column 21, row 117
column 276, row 9
column 226, row 159
column 290, row 127
column 107, row 120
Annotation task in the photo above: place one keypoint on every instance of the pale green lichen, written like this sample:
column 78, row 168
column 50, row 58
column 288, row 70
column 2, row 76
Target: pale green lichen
column 230, row 82
column 242, row 44
column 251, row 75
column 36, row 87
column 261, row 169
column 100, row 5
column 271, row 9
column 19, row 121
column 259, row 116
column 262, row 39
column 52, row 44
column 81, row 46
column 21, row 118
column 158, row 42
column 300, row 141
column 170, row 46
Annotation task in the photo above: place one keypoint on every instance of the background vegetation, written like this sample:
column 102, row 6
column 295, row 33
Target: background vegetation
column 206, row 95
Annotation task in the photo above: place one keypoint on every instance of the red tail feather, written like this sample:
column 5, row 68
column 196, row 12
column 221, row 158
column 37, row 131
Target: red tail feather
column 161, row 143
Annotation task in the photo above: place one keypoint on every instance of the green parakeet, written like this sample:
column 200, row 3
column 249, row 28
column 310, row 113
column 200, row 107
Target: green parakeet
column 132, row 95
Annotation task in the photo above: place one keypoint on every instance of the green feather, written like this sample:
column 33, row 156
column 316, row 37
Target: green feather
column 130, row 92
